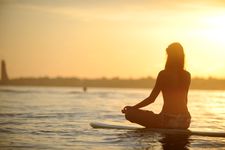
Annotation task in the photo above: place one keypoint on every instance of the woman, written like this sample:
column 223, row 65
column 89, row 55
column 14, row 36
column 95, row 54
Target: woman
column 174, row 83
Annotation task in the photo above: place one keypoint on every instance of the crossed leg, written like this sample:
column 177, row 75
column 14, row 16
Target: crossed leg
column 143, row 117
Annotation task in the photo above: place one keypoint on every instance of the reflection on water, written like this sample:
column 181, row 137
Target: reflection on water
column 143, row 139
column 58, row 118
column 171, row 142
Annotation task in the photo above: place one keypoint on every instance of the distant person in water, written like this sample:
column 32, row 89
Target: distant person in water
column 174, row 84
column 84, row 88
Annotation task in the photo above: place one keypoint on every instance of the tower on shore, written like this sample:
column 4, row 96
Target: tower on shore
column 4, row 76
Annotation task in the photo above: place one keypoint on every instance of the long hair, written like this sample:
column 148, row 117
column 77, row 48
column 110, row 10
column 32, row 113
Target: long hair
column 175, row 57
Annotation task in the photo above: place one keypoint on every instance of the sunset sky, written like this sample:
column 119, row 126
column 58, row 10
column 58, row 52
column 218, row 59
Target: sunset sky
column 124, row 38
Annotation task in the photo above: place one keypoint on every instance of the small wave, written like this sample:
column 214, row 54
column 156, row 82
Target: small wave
column 11, row 123
column 75, row 92
column 13, row 114
column 15, row 91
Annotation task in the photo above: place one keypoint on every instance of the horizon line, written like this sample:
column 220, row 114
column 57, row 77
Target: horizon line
column 108, row 78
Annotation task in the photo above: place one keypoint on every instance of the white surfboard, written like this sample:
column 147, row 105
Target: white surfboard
column 165, row 131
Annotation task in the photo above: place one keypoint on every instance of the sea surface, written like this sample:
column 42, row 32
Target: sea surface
column 58, row 118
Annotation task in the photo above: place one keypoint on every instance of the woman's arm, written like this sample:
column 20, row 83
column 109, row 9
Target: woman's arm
column 155, row 92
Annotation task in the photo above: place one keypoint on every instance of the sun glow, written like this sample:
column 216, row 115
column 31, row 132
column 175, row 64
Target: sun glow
column 119, row 38
column 215, row 29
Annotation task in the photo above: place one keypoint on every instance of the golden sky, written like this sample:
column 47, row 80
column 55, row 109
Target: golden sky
column 124, row 38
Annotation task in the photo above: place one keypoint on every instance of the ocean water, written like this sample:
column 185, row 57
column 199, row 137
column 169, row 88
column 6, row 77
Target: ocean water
column 59, row 117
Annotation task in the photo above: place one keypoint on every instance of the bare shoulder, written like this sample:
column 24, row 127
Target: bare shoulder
column 187, row 74
column 166, row 73
column 162, row 73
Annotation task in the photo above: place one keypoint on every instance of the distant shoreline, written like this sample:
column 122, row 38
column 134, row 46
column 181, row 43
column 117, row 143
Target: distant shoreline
column 148, row 82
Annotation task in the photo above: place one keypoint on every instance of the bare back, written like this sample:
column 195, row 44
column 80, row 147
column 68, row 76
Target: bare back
column 174, row 87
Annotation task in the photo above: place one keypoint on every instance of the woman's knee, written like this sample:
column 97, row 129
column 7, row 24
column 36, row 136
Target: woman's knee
column 130, row 115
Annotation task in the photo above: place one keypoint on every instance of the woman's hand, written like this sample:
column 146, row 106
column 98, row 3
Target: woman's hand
column 126, row 108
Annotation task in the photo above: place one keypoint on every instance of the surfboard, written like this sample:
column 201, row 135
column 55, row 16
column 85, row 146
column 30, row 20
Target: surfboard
column 164, row 131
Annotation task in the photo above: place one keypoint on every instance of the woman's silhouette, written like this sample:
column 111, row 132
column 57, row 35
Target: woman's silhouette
column 174, row 83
